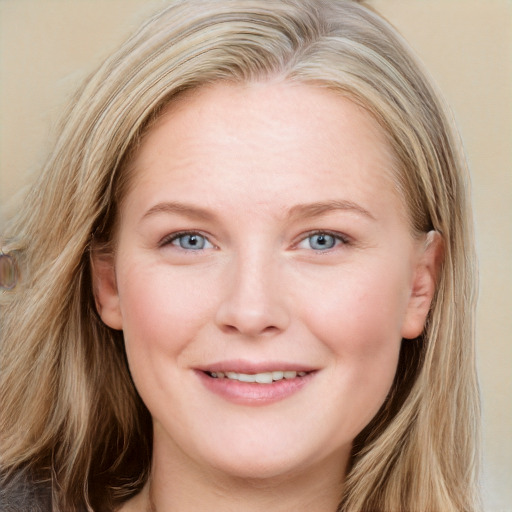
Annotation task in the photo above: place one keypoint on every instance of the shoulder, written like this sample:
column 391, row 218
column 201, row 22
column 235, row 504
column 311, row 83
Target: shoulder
column 20, row 494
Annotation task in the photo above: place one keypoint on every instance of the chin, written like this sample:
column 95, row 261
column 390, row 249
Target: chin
column 280, row 463
column 259, row 470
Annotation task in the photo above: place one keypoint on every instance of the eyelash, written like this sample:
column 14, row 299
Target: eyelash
column 338, row 239
column 169, row 239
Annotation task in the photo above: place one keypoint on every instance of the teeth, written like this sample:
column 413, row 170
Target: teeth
column 260, row 378
column 245, row 377
column 264, row 378
column 277, row 375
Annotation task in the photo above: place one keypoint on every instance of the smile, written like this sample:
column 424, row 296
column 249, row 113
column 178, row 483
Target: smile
column 260, row 378
column 255, row 384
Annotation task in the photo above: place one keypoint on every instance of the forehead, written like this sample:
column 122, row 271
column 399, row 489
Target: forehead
column 264, row 137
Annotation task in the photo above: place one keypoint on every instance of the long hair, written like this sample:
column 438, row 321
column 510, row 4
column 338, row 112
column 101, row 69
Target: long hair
column 70, row 413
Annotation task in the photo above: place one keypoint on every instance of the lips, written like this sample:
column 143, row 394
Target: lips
column 248, row 383
column 255, row 367
column 260, row 378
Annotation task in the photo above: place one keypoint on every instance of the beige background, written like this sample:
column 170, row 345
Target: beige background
column 48, row 46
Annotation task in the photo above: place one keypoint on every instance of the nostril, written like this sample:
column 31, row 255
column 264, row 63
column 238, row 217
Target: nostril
column 249, row 330
column 252, row 307
column 229, row 328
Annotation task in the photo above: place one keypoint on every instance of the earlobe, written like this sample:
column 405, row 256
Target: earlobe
column 424, row 285
column 105, row 289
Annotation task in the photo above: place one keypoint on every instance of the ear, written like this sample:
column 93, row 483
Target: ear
column 105, row 289
column 424, row 285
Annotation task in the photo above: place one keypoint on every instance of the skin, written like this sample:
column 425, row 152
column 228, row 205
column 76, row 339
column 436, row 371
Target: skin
column 257, row 170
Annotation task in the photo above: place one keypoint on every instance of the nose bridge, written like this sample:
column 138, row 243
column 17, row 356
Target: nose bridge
column 254, row 302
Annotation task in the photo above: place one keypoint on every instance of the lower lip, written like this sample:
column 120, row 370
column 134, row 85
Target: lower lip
column 251, row 393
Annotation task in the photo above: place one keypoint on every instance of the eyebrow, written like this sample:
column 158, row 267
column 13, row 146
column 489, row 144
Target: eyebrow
column 318, row 209
column 186, row 210
column 297, row 212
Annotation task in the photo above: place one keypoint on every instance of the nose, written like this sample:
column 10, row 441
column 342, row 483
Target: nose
column 254, row 303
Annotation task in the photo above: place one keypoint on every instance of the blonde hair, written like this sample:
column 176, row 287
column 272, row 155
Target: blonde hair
column 70, row 413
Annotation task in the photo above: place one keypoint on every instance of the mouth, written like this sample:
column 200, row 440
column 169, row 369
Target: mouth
column 262, row 383
column 259, row 378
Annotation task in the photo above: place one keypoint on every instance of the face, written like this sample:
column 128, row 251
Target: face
column 264, row 277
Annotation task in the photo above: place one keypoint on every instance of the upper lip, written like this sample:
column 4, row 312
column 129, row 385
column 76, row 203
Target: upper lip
column 252, row 367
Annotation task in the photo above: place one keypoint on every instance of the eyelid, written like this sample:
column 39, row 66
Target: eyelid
column 340, row 237
column 171, row 237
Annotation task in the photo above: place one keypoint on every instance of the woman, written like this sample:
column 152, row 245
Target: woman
column 247, row 277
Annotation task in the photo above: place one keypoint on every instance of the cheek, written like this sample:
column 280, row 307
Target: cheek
column 162, row 315
column 358, row 320
column 161, row 311
column 361, row 312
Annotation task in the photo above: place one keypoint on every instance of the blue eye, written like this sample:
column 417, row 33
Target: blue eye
column 190, row 241
column 321, row 241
